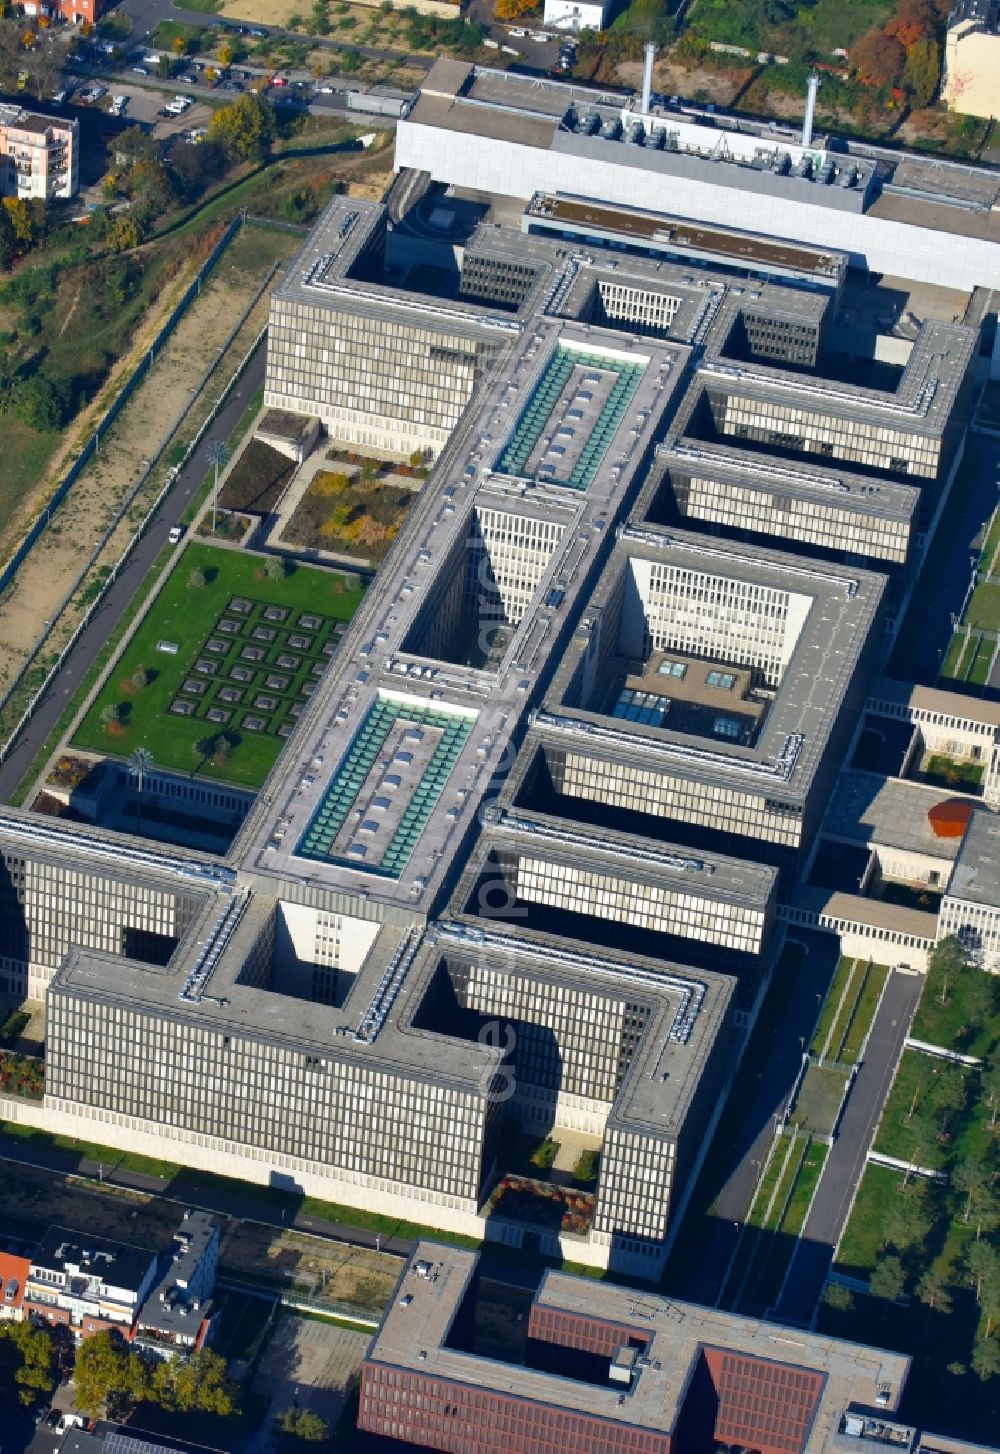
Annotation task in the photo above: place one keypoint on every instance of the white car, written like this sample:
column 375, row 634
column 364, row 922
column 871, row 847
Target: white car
column 325, row 90
column 517, row 34
column 176, row 534
column 140, row 71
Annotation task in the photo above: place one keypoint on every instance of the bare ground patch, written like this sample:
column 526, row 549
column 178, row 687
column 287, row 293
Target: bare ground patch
column 42, row 581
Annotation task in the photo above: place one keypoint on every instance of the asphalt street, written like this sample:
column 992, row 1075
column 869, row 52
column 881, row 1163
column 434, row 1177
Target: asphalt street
column 846, row 1162
column 120, row 594
column 762, row 1088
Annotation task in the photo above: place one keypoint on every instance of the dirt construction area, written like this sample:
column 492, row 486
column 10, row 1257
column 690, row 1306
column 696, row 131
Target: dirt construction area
column 42, row 581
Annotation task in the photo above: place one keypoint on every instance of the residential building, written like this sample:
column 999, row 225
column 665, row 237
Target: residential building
column 971, row 84
column 13, row 1279
column 576, row 15
column 39, row 155
column 87, row 1283
column 176, row 1317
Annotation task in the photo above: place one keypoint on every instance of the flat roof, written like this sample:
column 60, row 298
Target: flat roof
column 740, row 247
column 946, row 704
column 376, row 665
column 976, row 875
column 887, row 812
column 922, row 403
column 830, row 484
column 119, row 1264
column 843, row 605
column 414, row 1334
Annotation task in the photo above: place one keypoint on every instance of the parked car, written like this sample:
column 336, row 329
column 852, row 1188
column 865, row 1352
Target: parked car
column 140, row 71
column 59, row 97
column 176, row 534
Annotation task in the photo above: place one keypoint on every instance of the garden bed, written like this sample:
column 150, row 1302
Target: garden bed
column 351, row 511
column 257, row 480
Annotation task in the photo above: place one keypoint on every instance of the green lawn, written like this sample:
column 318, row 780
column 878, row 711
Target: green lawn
column 913, row 1136
column 819, row 1099
column 190, row 616
column 947, row 1025
column 90, row 1151
column 846, row 967
column 863, row 1013
column 822, row 25
column 853, row 1016
column 982, row 662
column 983, row 613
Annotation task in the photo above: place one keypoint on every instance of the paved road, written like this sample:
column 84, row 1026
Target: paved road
column 83, row 655
column 230, row 1199
column 846, row 1162
column 762, row 1088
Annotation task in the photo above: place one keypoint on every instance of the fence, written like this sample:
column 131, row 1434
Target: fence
column 133, row 541
column 92, row 446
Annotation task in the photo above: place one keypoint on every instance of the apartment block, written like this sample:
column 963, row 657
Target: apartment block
column 39, row 155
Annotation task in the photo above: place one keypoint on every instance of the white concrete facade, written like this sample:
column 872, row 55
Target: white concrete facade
column 518, row 170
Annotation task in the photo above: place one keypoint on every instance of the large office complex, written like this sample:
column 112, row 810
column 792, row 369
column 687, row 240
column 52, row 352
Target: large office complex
column 495, row 132
column 519, row 869
column 609, row 1369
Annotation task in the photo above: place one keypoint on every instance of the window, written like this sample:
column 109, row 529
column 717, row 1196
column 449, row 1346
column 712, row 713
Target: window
column 724, row 679
column 726, row 727
column 675, row 669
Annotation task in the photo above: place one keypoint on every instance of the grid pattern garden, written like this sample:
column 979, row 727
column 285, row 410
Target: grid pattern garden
column 532, row 422
column 257, row 667
column 330, row 816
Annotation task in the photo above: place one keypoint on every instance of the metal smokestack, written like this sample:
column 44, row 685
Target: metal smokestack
column 807, row 125
column 647, row 77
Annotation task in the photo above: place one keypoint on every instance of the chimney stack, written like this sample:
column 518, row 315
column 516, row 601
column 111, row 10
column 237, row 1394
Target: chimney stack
column 647, row 77
column 807, row 125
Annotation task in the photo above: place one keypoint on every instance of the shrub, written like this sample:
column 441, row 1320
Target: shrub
column 545, row 1153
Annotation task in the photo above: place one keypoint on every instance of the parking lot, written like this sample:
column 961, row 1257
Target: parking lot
column 310, row 1364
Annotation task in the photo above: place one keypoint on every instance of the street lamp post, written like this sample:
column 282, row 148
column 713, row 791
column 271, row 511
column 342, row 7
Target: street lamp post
column 218, row 453
column 140, row 765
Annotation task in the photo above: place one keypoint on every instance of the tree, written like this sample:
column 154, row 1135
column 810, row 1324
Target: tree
column 947, row 961
column 989, row 1086
column 888, row 1279
column 21, row 220
column 274, row 567
column 165, row 68
column 179, row 45
column 986, row 1358
column 906, row 1219
column 108, row 1375
column 134, row 145
column 243, row 129
column 28, row 1358
column 922, row 72
column 8, row 240
column 949, row 1096
column 973, row 1180
column 983, row 1262
column 139, row 678
column 305, row 1424
column 39, row 404
column 225, row 54
column 933, row 1292
column 111, row 715
column 836, row 1295
column 878, row 58
column 148, row 181
column 196, row 578
column 124, row 234
column 198, row 1383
